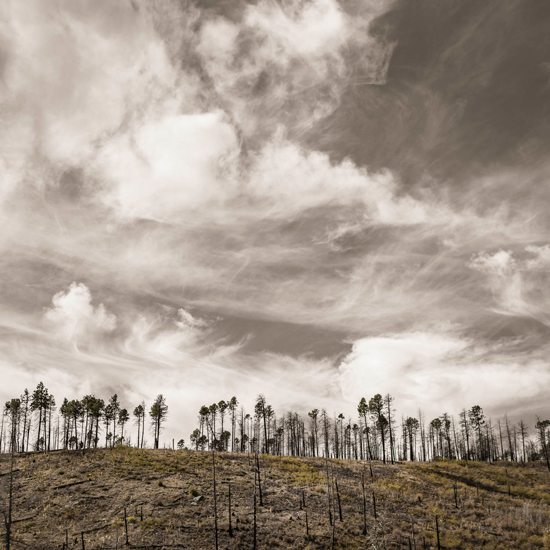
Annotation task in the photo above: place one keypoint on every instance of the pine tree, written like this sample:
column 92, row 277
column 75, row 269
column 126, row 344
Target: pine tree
column 123, row 417
column 158, row 414
column 477, row 420
column 376, row 407
column 138, row 414
column 39, row 402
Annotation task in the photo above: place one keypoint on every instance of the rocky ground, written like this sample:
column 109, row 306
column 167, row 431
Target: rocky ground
column 82, row 499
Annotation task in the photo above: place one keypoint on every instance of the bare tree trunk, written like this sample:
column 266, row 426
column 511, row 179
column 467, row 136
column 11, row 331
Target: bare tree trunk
column 364, row 504
column 2, row 429
column 255, row 513
column 215, row 497
column 501, row 442
column 509, row 438
column 259, row 479
column 389, row 400
column 230, row 526
column 10, row 496
column 328, row 493
column 338, row 497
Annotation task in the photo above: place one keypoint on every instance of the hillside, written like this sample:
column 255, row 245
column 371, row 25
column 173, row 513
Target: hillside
column 168, row 496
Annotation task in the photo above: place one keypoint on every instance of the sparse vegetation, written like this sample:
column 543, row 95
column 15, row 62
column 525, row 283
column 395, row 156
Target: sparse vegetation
column 470, row 499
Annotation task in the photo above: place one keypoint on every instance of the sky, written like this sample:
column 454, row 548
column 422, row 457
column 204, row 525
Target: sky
column 316, row 200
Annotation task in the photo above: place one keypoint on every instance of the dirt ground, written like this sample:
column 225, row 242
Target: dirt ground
column 164, row 499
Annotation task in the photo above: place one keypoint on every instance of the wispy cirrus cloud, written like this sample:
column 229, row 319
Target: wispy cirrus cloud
column 286, row 63
column 519, row 281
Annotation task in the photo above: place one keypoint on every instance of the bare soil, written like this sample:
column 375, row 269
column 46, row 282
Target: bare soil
column 81, row 499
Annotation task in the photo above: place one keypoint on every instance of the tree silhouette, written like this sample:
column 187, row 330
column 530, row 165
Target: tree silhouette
column 542, row 427
column 123, row 417
column 39, row 402
column 376, row 406
column 260, row 410
column 232, row 405
column 25, row 402
column 139, row 413
column 412, row 425
column 158, row 414
column 363, row 410
column 477, row 420
column 313, row 415
column 114, row 403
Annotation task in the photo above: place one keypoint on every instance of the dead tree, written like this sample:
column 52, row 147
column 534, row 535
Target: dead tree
column 255, row 517
column 125, row 529
column 364, row 505
column 455, row 489
column 338, row 497
column 328, row 493
column 230, row 526
column 333, row 538
column 8, row 517
column 259, row 479
column 215, row 497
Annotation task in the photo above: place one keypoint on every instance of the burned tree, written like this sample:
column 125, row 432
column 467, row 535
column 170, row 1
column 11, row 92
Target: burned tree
column 158, row 414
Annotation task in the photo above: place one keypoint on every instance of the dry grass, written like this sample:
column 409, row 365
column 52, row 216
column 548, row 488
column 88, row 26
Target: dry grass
column 499, row 506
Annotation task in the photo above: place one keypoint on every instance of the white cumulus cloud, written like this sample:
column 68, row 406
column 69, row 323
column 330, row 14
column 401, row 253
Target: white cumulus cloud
column 287, row 180
column 74, row 318
column 440, row 372
column 168, row 166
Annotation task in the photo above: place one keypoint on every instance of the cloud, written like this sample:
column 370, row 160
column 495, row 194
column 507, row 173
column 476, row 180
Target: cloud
column 168, row 166
column 187, row 163
column 505, row 280
column 209, row 169
column 541, row 257
column 74, row 318
column 165, row 340
column 440, row 371
column 187, row 321
column 151, row 142
column 396, row 363
column 286, row 63
column 74, row 76
column 519, row 285
column 288, row 180
column 500, row 263
column 300, row 29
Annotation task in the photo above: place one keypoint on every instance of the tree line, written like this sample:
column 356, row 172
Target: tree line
column 32, row 422
column 375, row 433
